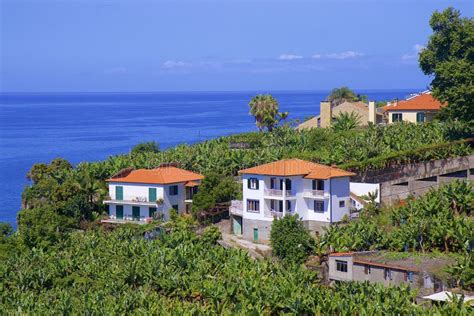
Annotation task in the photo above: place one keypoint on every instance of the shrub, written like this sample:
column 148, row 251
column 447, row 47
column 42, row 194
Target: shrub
column 146, row 147
column 290, row 240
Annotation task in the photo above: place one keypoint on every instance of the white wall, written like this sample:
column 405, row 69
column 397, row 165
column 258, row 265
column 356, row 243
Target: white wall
column 339, row 192
column 303, row 206
column 361, row 188
column 133, row 190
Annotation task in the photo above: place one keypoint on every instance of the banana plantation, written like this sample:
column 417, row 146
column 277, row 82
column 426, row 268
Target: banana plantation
column 119, row 272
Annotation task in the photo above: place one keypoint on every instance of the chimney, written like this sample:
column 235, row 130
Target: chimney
column 372, row 112
column 325, row 114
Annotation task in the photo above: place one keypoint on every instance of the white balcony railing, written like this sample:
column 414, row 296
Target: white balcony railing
column 275, row 192
column 314, row 193
column 132, row 199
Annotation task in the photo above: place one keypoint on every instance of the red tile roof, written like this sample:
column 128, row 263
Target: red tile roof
column 298, row 167
column 341, row 254
column 162, row 175
column 423, row 101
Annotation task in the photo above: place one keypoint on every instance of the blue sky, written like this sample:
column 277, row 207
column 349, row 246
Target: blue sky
column 193, row 45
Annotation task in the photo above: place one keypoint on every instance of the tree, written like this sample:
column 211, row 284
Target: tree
column 146, row 147
column 346, row 121
column 290, row 240
column 6, row 230
column 264, row 108
column 449, row 58
column 340, row 95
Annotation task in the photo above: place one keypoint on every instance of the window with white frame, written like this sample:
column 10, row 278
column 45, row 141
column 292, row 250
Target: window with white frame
column 253, row 206
column 319, row 206
column 341, row 266
column 252, row 184
column 397, row 117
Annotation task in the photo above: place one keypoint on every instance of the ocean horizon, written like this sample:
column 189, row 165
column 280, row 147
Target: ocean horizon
column 89, row 126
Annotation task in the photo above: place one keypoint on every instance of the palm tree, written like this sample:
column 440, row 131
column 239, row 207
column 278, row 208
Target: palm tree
column 264, row 107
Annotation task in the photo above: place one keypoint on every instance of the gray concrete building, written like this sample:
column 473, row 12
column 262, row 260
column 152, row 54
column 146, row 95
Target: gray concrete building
column 425, row 273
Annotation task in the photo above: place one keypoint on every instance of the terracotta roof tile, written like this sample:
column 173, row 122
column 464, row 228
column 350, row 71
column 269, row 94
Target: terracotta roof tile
column 423, row 101
column 341, row 254
column 298, row 167
column 162, row 175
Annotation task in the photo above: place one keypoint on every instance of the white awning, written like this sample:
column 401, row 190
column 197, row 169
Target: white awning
column 446, row 296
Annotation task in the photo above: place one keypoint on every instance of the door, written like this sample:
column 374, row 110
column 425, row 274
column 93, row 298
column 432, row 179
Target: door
column 237, row 225
column 119, row 193
column 255, row 235
column 136, row 213
column 119, row 211
column 152, row 194
column 151, row 211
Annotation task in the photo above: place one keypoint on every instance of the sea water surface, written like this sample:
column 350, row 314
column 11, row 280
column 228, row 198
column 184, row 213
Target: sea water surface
column 92, row 126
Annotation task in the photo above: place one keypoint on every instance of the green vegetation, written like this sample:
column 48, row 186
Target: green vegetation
column 343, row 94
column 440, row 221
column 151, row 147
column 449, row 58
column 290, row 240
column 264, row 108
column 346, row 121
column 119, row 272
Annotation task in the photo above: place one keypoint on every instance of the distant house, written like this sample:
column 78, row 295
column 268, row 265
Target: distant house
column 366, row 113
column 319, row 194
column 416, row 109
column 139, row 195
column 423, row 272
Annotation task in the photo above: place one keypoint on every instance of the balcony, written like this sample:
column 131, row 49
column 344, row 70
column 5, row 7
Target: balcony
column 277, row 193
column 127, row 219
column 314, row 193
column 131, row 200
column 236, row 208
column 276, row 214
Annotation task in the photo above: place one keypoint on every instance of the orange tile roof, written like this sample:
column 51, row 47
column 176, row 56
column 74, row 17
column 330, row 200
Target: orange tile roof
column 162, row 175
column 341, row 254
column 191, row 184
column 423, row 101
column 298, row 167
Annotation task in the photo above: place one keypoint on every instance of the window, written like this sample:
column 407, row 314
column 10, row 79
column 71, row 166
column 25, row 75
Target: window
column 151, row 211
column 367, row 269
column 420, row 117
column 253, row 206
column 252, row 184
column 288, row 206
column 119, row 193
column 319, row 206
column 341, row 266
column 273, row 183
column 175, row 207
column 272, row 205
column 173, row 190
column 342, row 203
column 409, row 276
column 151, row 194
column 318, row 185
column 288, row 184
column 387, row 274
column 397, row 117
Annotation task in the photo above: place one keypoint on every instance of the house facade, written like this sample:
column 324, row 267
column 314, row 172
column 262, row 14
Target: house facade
column 366, row 113
column 380, row 267
column 144, row 194
column 416, row 109
column 318, row 194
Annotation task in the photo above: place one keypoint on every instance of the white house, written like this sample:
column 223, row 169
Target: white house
column 319, row 194
column 143, row 194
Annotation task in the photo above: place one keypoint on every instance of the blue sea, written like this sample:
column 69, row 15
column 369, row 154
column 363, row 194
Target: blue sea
column 92, row 126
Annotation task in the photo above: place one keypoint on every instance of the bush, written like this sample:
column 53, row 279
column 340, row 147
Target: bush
column 147, row 147
column 290, row 240
column 211, row 235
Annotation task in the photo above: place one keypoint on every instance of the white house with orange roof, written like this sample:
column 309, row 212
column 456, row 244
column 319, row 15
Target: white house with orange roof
column 144, row 194
column 416, row 109
column 318, row 194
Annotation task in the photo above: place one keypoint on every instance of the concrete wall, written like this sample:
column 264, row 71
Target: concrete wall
column 397, row 183
column 337, row 275
column 325, row 115
column 339, row 193
column 264, row 228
